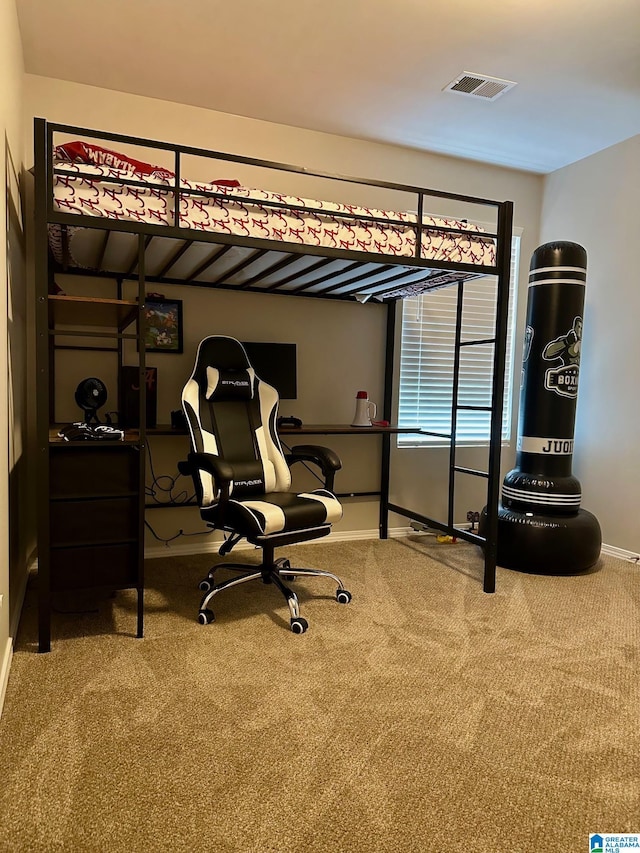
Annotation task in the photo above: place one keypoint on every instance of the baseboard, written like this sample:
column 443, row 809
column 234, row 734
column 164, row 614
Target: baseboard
column 211, row 546
column 32, row 566
column 5, row 666
column 7, row 655
column 621, row 554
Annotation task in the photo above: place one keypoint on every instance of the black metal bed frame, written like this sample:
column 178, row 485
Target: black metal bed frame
column 378, row 275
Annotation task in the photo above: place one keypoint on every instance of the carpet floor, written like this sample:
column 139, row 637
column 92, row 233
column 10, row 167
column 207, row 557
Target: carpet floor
column 424, row 716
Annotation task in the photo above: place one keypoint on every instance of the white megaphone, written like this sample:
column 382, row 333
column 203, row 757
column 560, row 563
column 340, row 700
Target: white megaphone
column 365, row 410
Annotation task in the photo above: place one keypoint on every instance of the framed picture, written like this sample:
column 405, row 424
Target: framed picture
column 163, row 325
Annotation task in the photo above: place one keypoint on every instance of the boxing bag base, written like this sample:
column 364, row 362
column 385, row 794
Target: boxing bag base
column 546, row 544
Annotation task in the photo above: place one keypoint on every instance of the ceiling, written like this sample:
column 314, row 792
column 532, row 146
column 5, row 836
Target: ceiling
column 371, row 69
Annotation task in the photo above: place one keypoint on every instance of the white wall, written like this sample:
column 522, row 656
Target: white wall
column 12, row 381
column 595, row 203
column 339, row 342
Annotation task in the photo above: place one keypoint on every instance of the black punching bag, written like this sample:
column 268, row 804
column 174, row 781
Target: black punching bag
column 541, row 527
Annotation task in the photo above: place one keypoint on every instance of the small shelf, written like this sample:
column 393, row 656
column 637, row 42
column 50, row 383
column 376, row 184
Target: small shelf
column 91, row 311
column 130, row 437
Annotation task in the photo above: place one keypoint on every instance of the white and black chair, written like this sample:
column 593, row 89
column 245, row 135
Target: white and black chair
column 242, row 477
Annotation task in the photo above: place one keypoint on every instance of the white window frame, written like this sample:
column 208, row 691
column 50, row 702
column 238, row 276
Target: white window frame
column 436, row 321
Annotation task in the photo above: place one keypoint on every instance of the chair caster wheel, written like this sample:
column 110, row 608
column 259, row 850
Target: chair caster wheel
column 299, row 625
column 288, row 578
column 343, row 596
column 205, row 585
column 205, row 617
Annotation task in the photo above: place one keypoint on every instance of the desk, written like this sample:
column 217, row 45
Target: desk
column 287, row 432
column 347, row 429
column 305, row 429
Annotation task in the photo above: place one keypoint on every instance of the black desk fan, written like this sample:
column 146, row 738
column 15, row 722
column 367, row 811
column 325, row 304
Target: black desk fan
column 90, row 395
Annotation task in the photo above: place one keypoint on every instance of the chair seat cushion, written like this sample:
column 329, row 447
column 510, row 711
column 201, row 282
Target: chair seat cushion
column 278, row 512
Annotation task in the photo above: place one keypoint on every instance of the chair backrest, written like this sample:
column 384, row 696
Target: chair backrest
column 232, row 414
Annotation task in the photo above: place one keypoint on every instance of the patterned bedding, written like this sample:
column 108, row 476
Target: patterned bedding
column 242, row 211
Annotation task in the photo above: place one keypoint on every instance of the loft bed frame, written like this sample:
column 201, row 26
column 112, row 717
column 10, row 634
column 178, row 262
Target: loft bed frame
column 337, row 273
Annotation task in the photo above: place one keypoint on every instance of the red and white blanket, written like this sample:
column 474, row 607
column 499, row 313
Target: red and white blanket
column 242, row 211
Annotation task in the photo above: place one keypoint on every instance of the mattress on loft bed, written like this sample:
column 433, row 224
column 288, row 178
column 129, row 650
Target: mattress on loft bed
column 333, row 226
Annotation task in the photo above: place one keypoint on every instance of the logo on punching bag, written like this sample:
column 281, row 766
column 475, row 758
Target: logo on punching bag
column 563, row 380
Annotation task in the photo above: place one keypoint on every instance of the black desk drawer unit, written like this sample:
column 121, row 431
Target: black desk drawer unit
column 95, row 522
column 103, row 566
column 92, row 470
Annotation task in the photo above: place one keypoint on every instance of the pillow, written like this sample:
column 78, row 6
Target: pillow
column 83, row 152
column 227, row 385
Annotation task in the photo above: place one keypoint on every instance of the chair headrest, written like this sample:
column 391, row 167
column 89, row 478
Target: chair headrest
column 222, row 369
column 221, row 352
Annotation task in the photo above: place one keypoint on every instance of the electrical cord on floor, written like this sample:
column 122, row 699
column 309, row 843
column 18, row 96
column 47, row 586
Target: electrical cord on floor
column 176, row 535
column 165, row 483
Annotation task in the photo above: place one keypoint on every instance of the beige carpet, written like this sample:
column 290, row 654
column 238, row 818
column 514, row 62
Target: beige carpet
column 425, row 716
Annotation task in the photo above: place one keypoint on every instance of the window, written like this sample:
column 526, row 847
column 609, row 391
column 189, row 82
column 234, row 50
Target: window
column 427, row 358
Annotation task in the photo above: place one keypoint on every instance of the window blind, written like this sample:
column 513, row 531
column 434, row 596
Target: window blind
column 427, row 359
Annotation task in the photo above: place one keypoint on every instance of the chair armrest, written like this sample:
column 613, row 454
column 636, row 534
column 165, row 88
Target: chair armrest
column 221, row 472
column 326, row 459
column 214, row 465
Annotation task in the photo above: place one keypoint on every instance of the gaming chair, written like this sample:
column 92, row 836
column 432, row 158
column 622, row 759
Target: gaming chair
column 242, row 477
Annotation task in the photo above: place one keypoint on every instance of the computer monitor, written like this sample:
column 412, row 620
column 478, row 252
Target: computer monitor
column 276, row 364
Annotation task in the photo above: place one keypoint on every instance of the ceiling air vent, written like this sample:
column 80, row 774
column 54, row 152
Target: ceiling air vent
column 479, row 86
